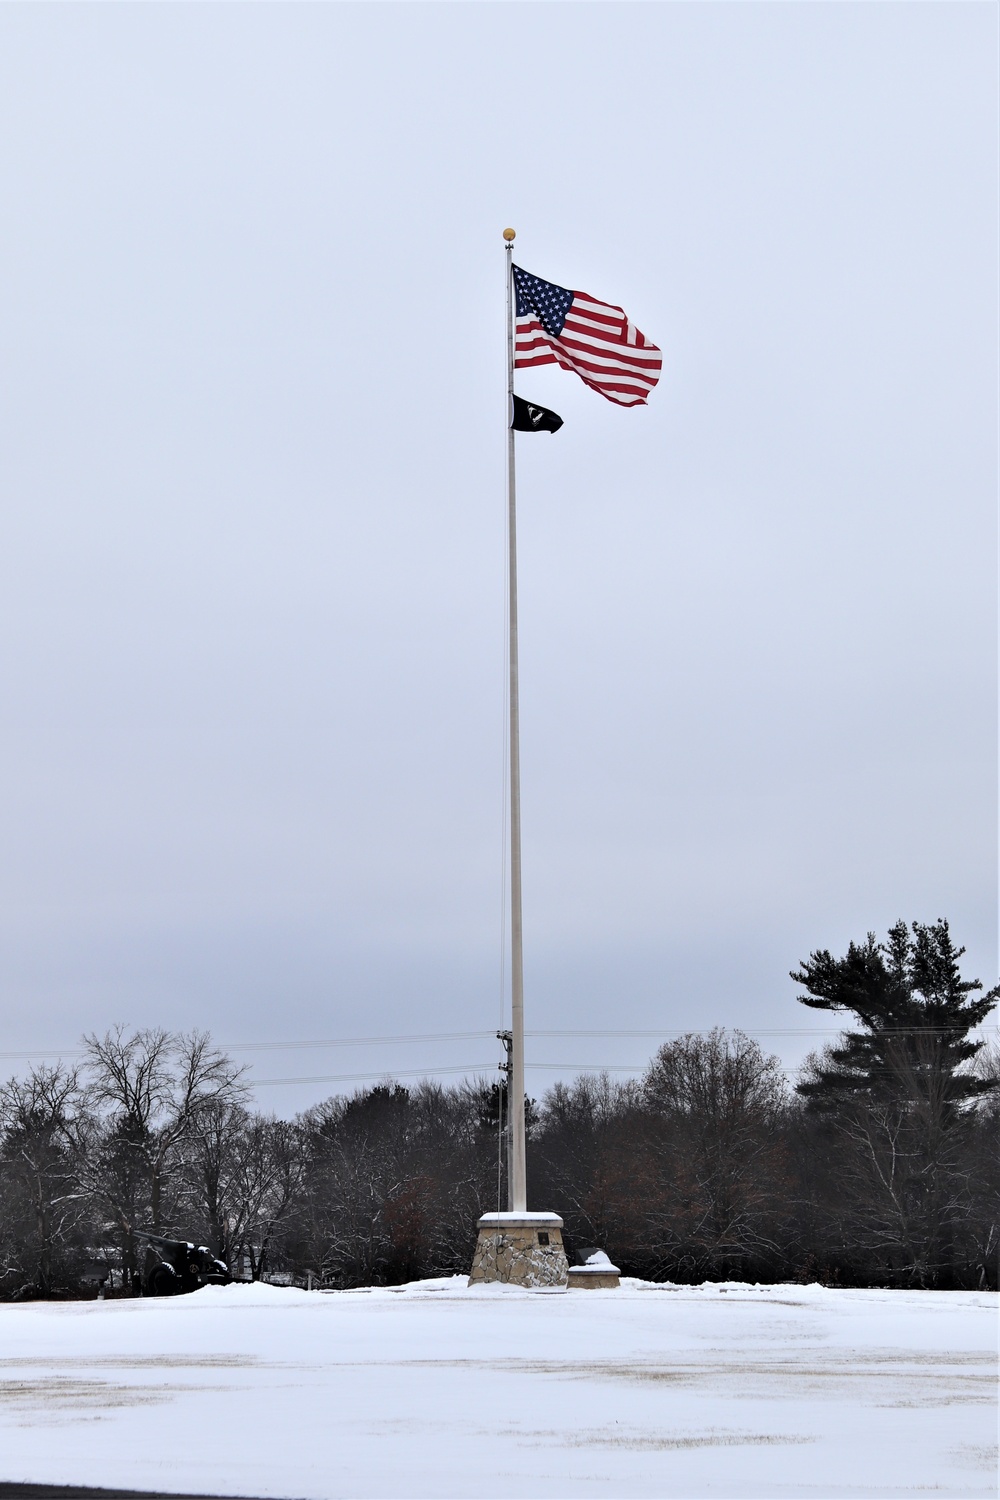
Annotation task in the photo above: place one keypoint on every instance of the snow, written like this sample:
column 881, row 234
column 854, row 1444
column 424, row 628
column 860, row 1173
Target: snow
column 523, row 1217
column 439, row 1390
column 599, row 1261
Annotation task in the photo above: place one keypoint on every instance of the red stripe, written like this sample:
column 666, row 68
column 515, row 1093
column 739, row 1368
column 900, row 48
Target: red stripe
column 640, row 391
column 601, row 355
column 609, row 372
column 620, row 335
column 614, row 351
column 648, row 357
column 617, row 380
column 596, row 302
column 615, row 321
column 590, row 358
column 578, row 326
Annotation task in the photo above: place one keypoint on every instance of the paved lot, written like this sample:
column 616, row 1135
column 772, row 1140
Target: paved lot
column 438, row 1391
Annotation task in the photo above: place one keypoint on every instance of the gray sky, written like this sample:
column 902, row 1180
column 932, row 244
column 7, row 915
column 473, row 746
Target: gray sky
column 251, row 544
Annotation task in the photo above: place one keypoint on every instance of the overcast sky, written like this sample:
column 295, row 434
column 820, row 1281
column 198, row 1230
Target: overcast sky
column 252, row 533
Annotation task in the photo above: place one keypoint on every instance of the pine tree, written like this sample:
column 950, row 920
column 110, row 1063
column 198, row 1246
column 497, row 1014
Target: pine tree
column 916, row 1012
column 896, row 1096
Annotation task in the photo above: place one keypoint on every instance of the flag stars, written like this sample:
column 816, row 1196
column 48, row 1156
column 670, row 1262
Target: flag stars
column 549, row 303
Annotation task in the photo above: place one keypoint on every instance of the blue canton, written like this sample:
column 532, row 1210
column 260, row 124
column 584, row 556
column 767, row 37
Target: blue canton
column 548, row 302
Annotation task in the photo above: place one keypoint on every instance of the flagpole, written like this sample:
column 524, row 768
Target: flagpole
column 517, row 1247
column 517, row 1201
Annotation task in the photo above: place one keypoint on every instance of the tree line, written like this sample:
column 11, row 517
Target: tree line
column 878, row 1165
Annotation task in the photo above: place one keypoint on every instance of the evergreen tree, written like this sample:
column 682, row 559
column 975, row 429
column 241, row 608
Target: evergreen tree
column 916, row 1012
column 896, row 1098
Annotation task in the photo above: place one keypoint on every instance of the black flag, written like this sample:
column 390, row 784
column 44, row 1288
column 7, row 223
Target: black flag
column 530, row 418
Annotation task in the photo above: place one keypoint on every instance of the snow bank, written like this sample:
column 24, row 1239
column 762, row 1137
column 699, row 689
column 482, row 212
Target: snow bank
column 249, row 1294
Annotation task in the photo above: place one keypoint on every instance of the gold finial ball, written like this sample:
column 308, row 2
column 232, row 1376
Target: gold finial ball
column 510, row 234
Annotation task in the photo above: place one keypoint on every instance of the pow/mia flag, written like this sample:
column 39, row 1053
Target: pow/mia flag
column 526, row 417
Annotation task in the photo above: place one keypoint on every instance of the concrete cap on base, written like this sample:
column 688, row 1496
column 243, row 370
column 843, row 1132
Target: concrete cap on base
column 532, row 1220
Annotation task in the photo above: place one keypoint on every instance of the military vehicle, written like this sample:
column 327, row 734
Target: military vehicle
column 174, row 1266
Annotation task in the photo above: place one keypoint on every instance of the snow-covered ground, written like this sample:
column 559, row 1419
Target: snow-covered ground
column 440, row 1391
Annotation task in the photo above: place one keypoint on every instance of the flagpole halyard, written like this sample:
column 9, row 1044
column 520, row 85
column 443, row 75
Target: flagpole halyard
column 517, row 1201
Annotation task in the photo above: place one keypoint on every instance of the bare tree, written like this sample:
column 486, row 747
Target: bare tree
column 244, row 1174
column 149, row 1087
column 717, row 1106
column 591, row 1155
column 397, row 1179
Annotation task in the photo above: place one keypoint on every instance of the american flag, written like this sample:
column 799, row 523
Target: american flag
column 594, row 339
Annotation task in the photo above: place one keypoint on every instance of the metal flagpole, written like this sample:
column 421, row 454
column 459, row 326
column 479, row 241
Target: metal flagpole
column 516, row 1247
column 517, row 1201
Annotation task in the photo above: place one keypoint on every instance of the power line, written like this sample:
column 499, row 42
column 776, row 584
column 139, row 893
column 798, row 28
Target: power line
column 390, row 1077
column 347, row 1041
column 468, row 1036
column 468, row 1069
column 356, row 1041
column 472, row 1069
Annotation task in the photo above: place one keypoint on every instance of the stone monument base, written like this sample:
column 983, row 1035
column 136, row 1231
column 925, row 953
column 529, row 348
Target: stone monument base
column 522, row 1249
column 595, row 1274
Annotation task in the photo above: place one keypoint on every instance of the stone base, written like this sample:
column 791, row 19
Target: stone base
column 596, row 1272
column 583, row 1277
column 520, row 1250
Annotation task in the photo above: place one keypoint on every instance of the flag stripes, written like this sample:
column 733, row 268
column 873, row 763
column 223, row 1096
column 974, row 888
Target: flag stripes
column 596, row 342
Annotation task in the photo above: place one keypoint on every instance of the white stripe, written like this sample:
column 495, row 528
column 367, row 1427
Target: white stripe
column 581, row 300
column 616, row 362
column 609, row 363
column 626, row 379
column 604, row 336
column 632, row 335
